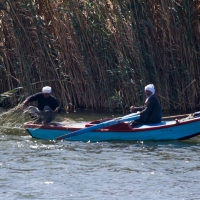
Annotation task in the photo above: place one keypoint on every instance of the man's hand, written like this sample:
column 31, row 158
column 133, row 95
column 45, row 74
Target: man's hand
column 56, row 110
column 25, row 103
column 132, row 108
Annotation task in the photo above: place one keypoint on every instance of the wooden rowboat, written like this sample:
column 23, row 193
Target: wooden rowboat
column 171, row 128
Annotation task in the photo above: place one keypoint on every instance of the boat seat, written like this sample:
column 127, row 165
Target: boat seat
column 157, row 124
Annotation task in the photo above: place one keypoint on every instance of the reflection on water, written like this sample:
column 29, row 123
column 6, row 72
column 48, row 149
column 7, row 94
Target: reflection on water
column 38, row 169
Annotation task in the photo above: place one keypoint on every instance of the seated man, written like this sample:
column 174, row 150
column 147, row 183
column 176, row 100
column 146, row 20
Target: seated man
column 47, row 106
column 151, row 112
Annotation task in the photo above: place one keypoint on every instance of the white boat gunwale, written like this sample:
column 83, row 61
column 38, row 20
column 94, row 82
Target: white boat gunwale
column 27, row 125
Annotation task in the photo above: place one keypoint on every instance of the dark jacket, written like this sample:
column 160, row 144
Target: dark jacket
column 151, row 112
column 42, row 101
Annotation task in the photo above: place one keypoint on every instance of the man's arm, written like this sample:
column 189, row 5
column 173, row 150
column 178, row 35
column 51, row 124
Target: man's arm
column 30, row 99
column 135, row 109
column 147, row 110
column 57, row 105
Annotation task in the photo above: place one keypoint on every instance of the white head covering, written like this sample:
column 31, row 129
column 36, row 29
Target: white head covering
column 150, row 88
column 46, row 89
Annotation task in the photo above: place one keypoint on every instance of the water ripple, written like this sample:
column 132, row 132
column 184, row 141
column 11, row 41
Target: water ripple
column 37, row 169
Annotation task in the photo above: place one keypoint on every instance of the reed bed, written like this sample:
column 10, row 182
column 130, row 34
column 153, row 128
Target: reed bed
column 100, row 54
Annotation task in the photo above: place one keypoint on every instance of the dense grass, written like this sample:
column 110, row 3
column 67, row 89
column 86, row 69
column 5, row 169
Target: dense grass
column 100, row 54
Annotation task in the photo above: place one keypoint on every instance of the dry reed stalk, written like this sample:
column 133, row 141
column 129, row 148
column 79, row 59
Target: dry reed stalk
column 91, row 50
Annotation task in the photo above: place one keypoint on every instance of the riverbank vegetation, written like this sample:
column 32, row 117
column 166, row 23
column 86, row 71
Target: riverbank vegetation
column 100, row 54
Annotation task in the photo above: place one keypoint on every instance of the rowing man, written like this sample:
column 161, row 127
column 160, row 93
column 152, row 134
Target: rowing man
column 151, row 112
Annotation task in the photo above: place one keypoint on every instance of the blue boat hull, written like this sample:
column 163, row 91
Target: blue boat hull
column 171, row 130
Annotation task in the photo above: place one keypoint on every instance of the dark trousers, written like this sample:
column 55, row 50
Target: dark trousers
column 46, row 115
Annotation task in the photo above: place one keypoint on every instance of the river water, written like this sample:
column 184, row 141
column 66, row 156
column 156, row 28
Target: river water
column 38, row 169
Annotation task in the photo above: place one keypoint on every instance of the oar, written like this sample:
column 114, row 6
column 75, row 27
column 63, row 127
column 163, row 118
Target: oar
column 112, row 122
column 175, row 117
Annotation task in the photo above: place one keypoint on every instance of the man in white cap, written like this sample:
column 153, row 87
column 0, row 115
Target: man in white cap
column 47, row 106
column 151, row 112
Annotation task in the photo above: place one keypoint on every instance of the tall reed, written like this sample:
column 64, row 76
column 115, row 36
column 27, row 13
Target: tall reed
column 101, row 54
